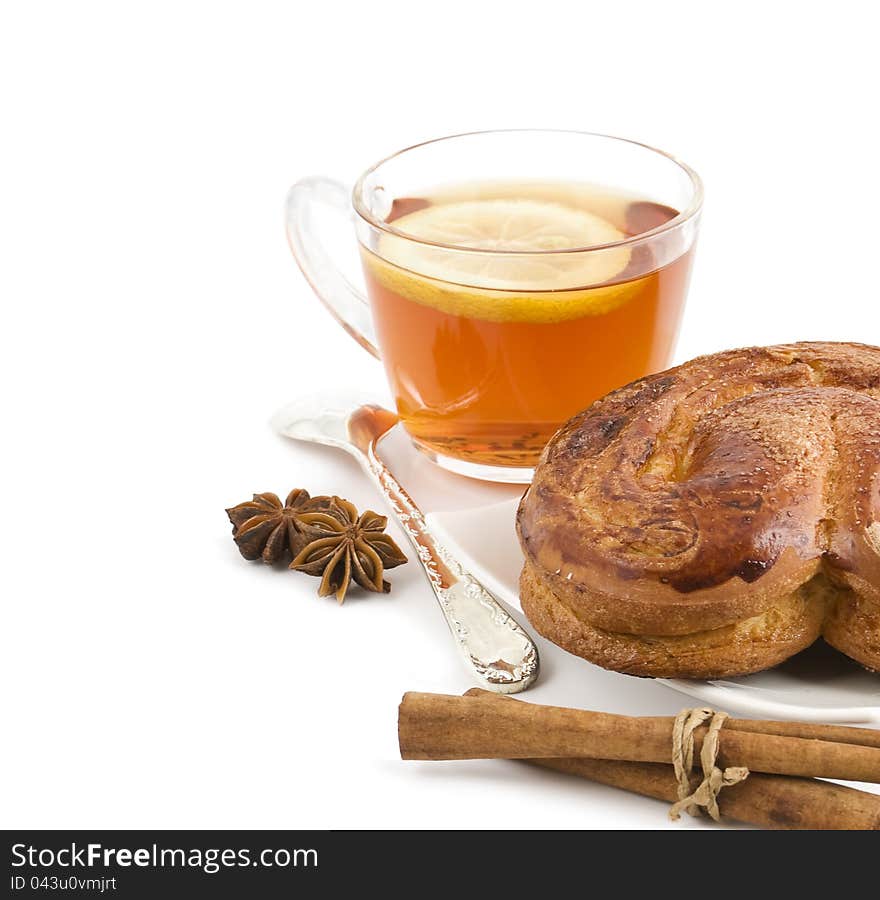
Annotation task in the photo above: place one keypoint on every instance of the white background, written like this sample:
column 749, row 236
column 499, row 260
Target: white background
column 153, row 319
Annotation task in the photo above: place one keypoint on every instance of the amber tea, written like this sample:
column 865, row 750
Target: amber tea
column 494, row 325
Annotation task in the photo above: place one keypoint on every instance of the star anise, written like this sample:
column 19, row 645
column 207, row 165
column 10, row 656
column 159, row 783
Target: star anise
column 266, row 529
column 346, row 547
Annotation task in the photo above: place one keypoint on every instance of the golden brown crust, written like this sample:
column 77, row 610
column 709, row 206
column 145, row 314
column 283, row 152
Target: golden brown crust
column 789, row 626
column 852, row 625
column 704, row 496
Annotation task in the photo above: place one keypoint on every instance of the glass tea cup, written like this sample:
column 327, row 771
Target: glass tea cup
column 512, row 278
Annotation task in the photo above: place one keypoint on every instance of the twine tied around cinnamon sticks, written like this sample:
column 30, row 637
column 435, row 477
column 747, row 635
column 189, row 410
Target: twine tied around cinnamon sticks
column 705, row 795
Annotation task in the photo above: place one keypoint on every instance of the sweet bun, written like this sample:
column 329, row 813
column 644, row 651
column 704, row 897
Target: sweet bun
column 714, row 519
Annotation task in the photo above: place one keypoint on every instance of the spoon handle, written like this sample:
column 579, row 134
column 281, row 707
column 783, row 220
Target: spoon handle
column 499, row 653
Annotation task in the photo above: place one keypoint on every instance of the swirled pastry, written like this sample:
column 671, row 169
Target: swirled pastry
column 714, row 519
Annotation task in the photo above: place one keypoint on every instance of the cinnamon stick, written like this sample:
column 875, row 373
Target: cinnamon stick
column 770, row 801
column 817, row 731
column 842, row 734
column 439, row 726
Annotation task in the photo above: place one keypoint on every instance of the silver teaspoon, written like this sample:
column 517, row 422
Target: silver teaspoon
column 498, row 652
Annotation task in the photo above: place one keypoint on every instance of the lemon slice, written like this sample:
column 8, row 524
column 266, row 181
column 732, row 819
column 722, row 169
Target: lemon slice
column 529, row 232
column 533, row 279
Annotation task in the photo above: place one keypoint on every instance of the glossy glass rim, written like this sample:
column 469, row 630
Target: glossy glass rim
column 685, row 215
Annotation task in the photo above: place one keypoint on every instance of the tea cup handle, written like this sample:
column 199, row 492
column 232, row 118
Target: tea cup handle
column 346, row 303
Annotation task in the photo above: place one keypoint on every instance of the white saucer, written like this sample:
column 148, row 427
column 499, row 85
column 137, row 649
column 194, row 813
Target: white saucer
column 818, row 685
column 476, row 521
